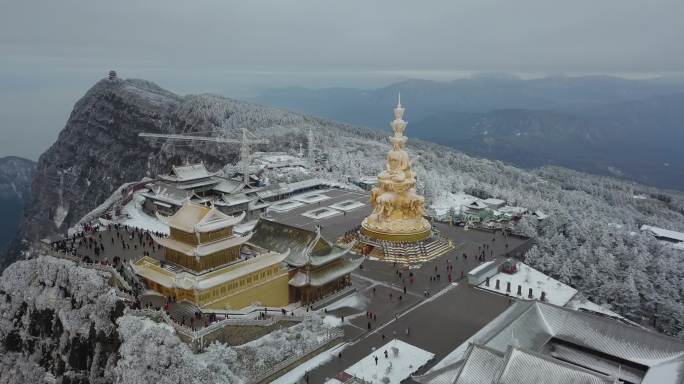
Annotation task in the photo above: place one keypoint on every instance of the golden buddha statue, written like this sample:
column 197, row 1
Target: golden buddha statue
column 397, row 208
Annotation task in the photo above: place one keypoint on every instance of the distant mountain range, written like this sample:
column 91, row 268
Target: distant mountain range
column 16, row 174
column 597, row 124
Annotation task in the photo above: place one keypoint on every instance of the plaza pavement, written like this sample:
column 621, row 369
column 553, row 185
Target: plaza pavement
column 437, row 323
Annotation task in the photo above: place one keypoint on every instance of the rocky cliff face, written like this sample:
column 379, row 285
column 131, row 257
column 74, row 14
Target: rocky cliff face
column 15, row 189
column 15, row 177
column 99, row 148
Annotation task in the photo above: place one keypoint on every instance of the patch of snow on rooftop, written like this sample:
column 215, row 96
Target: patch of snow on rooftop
column 557, row 293
column 443, row 202
column 402, row 360
column 577, row 304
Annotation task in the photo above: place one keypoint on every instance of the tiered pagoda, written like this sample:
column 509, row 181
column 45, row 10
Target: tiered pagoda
column 207, row 264
column 396, row 229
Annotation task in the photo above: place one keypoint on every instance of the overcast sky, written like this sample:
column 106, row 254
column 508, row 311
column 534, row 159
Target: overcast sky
column 51, row 52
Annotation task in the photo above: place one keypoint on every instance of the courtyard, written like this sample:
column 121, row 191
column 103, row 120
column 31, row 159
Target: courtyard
column 430, row 306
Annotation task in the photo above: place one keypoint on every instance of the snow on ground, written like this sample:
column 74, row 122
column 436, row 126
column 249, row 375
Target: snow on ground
column 445, row 201
column 679, row 246
column 135, row 217
column 557, row 293
column 60, row 214
column 332, row 321
column 115, row 197
column 356, row 301
column 299, row 371
column 402, row 360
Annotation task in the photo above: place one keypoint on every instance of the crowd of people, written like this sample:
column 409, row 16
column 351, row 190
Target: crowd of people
column 91, row 246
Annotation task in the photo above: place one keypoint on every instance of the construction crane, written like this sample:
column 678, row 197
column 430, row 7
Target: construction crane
column 247, row 139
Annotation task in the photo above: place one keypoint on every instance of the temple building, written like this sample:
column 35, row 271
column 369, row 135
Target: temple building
column 397, row 230
column 194, row 183
column 193, row 177
column 318, row 267
column 209, row 266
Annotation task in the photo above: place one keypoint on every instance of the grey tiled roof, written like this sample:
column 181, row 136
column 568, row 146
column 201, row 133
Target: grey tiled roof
column 524, row 367
column 481, row 365
column 587, row 340
column 306, row 247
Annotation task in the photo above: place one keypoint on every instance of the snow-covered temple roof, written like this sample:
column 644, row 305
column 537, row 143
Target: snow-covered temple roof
column 203, row 249
column 494, row 202
column 476, row 204
column 322, row 276
column 306, row 247
column 277, row 160
column 232, row 200
column 197, row 218
column 285, row 188
column 167, row 193
column 228, row 186
column 523, row 367
column 188, row 172
column 544, row 335
column 272, row 235
column 512, row 210
column 518, row 366
column 665, row 233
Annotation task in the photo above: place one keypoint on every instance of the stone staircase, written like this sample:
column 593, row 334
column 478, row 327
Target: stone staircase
column 438, row 246
column 417, row 252
column 409, row 252
column 182, row 310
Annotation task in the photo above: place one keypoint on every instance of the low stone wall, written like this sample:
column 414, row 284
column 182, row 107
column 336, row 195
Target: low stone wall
column 118, row 279
column 198, row 340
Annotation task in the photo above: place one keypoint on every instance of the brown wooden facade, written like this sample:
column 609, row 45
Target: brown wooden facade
column 192, row 238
